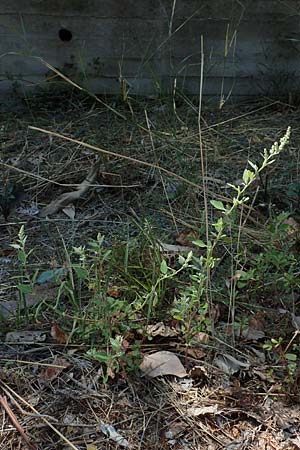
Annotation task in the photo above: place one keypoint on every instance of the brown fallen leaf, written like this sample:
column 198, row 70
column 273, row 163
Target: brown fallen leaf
column 57, row 334
column 196, row 353
column 162, row 363
column 201, row 338
column 110, row 373
column 125, row 345
column 54, row 370
column 114, row 292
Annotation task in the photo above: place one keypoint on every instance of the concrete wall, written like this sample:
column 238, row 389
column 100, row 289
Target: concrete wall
column 250, row 46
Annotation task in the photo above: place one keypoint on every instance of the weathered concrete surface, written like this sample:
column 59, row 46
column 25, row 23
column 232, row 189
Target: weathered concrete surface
column 250, row 47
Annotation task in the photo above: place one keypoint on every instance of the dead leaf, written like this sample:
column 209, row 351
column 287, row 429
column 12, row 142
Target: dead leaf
column 236, row 276
column 58, row 335
column 110, row 373
column 199, row 373
column 160, row 329
column 162, row 363
column 201, row 338
column 175, row 249
column 259, row 357
column 196, row 353
column 91, row 447
column 228, row 364
column 125, row 345
column 202, row 410
column 52, row 372
column 69, row 211
column 112, row 434
column 29, row 337
column 256, row 139
column 114, row 292
column 252, row 334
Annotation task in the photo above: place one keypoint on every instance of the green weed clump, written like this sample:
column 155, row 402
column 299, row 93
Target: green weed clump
column 110, row 294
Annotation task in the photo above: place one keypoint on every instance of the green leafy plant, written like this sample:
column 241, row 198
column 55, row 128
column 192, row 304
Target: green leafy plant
column 288, row 357
column 191, row 306
column 25, row 280
column 276, row 267
column 116, row 356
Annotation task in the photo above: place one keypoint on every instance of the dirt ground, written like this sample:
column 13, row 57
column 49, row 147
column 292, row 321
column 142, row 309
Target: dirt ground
column 53, row 396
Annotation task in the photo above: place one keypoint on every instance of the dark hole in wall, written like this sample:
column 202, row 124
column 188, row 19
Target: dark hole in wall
column 65, row 35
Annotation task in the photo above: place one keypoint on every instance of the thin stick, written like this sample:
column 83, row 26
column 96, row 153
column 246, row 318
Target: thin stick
column 39, row 177
column 128, row 158
column 13, row 418
column 204, row 187
column 161, row 177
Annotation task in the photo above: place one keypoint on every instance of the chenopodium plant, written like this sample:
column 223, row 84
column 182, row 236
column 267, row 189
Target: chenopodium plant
column 191, row 305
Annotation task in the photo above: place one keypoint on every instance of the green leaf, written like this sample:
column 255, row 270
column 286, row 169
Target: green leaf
column 236, row 188
column 98, row 355
column 219, row 225
column 80, row 272
column 218, row 205
column 254, row 166
column 200, row 243
column 22, row 257
column 246, row 176
column 291, row 356
column 181, row 260
column 24, row 288
column 163, row 267
column 50, row 275
column 16, row 246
